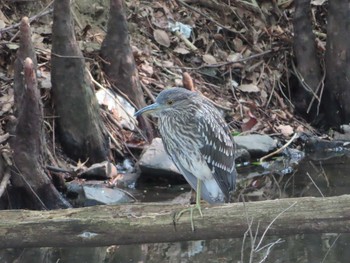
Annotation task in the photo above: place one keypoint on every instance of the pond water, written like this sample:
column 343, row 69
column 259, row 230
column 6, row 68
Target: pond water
column 302, row 248
column 313, row 177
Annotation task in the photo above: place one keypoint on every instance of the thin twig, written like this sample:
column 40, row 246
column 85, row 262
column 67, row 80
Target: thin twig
column 329, row 249
column 302, row 81
column 115, row 142
column 245, row 236
column 268, row 227
column 149, row 93
column 269, row 247
column 249, row 230
column 110, row 94
column 252, row 251
column 320, row 86
column 118, row 102
column 272, row 92
column 40, row 14
column 280, row 149
column 165, row 68
column 318, row 189
column 324, row 174
column 186, row 41
column 63, row 56
column 5, row 180
column 30, row 187
column 269, row 244
column 58, row 169
column 320, row 171
column 213, row 21
column 217, row 65
column 253, row 238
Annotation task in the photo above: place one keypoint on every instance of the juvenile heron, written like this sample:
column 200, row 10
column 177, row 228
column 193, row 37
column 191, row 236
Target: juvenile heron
column 198, row 141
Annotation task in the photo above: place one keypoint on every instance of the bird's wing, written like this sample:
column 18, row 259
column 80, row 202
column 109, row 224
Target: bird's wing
column 218, row 149
column 190, row 178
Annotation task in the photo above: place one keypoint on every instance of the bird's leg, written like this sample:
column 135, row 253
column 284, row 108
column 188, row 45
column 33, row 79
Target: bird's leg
column 197, row 206
column 198, row 196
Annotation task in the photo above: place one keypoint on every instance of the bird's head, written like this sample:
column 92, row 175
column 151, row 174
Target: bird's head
column 168, row 101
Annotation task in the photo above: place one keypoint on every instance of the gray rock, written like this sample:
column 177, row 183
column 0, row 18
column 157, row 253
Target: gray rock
column 345, row 135
column 242, row 155
column 97, row 195
column 80, row 194
column 256, row 144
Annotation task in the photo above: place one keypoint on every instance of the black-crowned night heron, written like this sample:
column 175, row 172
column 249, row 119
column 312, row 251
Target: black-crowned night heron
column 198, row 141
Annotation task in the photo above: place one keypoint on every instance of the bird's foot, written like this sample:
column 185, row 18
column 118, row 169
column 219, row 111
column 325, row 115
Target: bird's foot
column 197, row 206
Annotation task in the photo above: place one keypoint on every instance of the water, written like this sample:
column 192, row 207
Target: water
column 301, row 248
column 317, row 178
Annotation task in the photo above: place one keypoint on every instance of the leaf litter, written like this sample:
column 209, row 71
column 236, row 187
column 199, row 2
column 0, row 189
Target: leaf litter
column 236, row 53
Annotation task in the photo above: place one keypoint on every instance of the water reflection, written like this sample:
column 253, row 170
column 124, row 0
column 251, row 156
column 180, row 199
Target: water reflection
column 320, row 178
column 300, row 248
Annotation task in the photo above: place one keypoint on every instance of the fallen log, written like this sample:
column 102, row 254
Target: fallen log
column 153, row 222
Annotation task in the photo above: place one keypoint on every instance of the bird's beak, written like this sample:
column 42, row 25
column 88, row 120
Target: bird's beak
column 150, row 108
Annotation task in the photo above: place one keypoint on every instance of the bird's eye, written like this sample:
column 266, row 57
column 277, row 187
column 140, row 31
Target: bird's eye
column 169, row 102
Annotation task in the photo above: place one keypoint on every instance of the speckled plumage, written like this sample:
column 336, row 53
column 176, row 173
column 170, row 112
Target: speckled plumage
column 198, row 141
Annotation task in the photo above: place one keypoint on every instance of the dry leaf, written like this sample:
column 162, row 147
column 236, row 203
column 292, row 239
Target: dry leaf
column 209, row 59
column 238, row 44
column 234, row 57
column 300, row 128
column 286, row 130
column 45, row 79
column 3, row 18
column 161, row 37
column 178, row 82
column 6, row 102
column 148, row 69
column 2, row 24
column 249, row 124
column 181, row 50
column 318, row 2
column 4, row 137
column 12, row 46
column 167, row 63
column 248, row 88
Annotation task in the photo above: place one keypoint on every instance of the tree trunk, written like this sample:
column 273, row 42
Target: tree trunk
column 26, row 50
column 120, row 67
column 81, row 130
column 151, row 223
column 338, row 63
column 28, row 154
column 308, row 89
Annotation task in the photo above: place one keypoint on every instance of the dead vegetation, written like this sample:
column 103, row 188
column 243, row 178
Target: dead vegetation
column 239, row 55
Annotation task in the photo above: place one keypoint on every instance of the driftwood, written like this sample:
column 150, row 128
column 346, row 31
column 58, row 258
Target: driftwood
column 150, row 222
